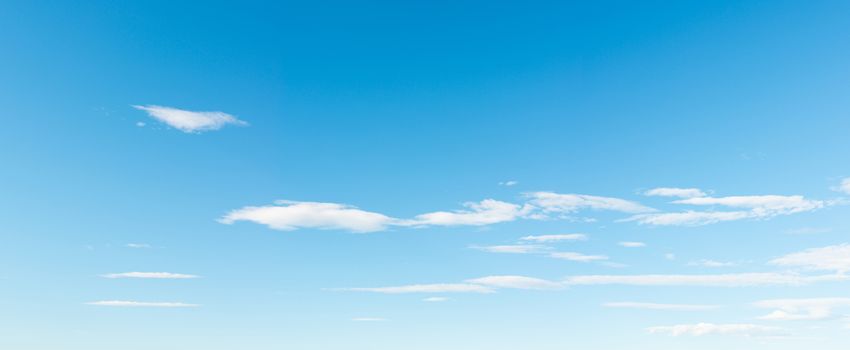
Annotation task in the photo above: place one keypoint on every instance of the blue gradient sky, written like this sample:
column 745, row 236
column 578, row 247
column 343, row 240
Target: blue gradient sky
column 408, row 108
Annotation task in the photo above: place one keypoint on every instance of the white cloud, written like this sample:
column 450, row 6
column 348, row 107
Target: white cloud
column 801, row 309
column 426, row 288
column 675, row 192
column 689, row 218
column 556, row 238
column 122, row 303
column 368, row 319
column 700, row 329
column 720, row 280
column 508, row 183
column 435, row 299
column 572, row 256
column 754, row 207
column 670, row 256
column 154, row 275
column 486, row 212
column 516, row 282
column 512, row 249
column 830, row 258
column 570, row 203
column 189, row 121
column 632, row 244
column 844, row 186
column 711, row 263
column 655, row 306
column 138, row 245
column 291, row 215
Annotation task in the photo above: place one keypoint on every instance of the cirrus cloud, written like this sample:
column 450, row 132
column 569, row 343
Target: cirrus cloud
column 190, row 121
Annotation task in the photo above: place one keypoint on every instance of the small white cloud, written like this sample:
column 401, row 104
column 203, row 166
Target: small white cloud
column 435, row 299
column 711, row 263
column 675, row 192
column 508, row 183
column 368, row 319
column 670, row 256
column 844, row 186
column 486, row 212
column 655, row 306
column 425, row 288
column 632, row 244
column 123, row 303
column 570, row 203
column 189, row 121
column 573, row 256
column 831, row 258
column 512, row 249
column 138, row 245
column 291, row 215
column 721, row 280
column 802, row 309
column 556, row 238
column 750, row 207
column 154, row 275
column 140, row 124
column 516, row 282
column 700, row 329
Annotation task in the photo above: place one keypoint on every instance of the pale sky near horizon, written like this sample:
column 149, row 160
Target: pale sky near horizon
column 425, row 175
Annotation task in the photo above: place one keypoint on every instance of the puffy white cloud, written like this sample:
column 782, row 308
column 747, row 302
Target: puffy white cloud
column 573, row 256
column 486, row 212
column 831, row 258
column 632, row 244
column 801, row 309
column 655, row 306
column 556, row 238
column 153, row 275
column 512, row 249
column 675, row 192
column 719, row 280
column 291, row 215
column 700, row 329
column 516, row 282
column 123, row 303
column 189, row 121
column 711, row 263
column 570, row 203
column 426, row 288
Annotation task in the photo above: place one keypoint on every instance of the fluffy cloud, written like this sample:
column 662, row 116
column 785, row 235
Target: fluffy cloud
column 516, row 282
column 748, row 207
column 721, row 280
column 556, row 238
column 632, row 244
column 426, row 288
column 572, row 256
column 512, row 249
column 801, row 309
column 570, row 203
column 153, row 275
column 123, row 303
column 830, row 258
column 675, row 192
column 665, row 307
column 486, row 212
column 189, row 121
column 290, row 215
column 718, row 329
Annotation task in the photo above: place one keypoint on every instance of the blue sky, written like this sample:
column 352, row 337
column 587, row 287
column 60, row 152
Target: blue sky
column 424, row 175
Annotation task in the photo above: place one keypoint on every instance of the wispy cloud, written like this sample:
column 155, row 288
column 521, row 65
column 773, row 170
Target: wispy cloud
column 512, row 249
column 718, row 280
column 486, row 212
column 154, row 275
column 801, row 309
column 711, row 263
column 655, row 306
column 573, row 256
column 425, row 288
column 190, row 121
column 556, row 238
column 508, row 183
column 138, row 245
column 700, row 329
column 124, row 303
column 569, row 203
column 632, row 244
column 747, row 207
column 844, row 186
column 516, row 282
column 675, row 192
column 368, row 319
column 435, row 299
column 830, row 258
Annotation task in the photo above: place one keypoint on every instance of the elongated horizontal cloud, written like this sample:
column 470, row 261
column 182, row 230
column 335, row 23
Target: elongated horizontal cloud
column 675, row 192
column 632, row 244
column 711, row 263
column 124, row 303
column 801, row 309
column 516, row 282
column 570, row 203
column 425, row 288
column 830, row 258
column 291, row 215
column 435, row 299
column 153, row 275
column 486, row 212
column 573, row 256
column 664, row 307
column 719, row 280
column 747, row 207
column 189, row 121
column 512, row 249
column 556, row 238
column 699, row 329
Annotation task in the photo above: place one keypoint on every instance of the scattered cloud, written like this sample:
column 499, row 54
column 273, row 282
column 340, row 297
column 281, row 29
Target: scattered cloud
column 516, row 282
column 154, row 275
column 122, row 303
column 486, row 212
column 632, row 244
column 700, row 329
column 655, row 306
column 844, row 186
column 189, row 121
column 292, row 215
column 425, row 288
column 711, row 263
column 830, row 258
column 573, row 256
column 512, row 249
column 556, row 238
column 749, row 207
column 801, row 309
column 435, row 299
column 551, row 202
column 719, row 280
column 138, row 245
column 675, row 192
column 369, row 319
column 509, row 183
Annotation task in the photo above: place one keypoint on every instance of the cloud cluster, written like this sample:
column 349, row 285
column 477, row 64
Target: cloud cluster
column 190, row 121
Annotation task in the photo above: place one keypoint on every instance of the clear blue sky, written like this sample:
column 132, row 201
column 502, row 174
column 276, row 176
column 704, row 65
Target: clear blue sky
column 425, row 175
